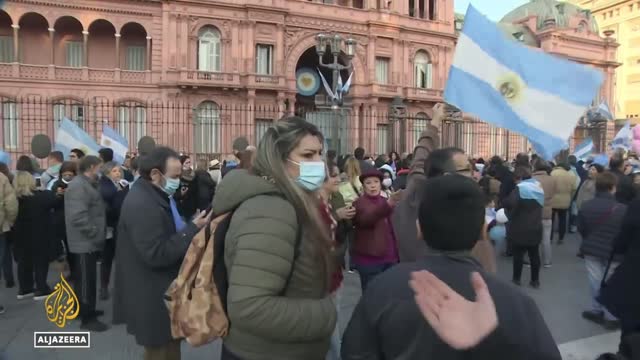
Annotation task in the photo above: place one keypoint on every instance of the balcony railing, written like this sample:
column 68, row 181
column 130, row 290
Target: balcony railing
column 423, row 94
column 268, row 81
column 206, row 78
column 63, row 73
column 383, row 90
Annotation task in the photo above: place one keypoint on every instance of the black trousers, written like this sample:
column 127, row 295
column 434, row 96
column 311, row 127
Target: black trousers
column 85, row 284
column 33, row 263
column 108, row 254
column 70, row 261
column 562, row 222
column 518, row 261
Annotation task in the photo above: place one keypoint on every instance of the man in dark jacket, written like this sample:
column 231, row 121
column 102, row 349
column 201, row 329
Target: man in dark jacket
column 599, row 223
column 365, row 165
column 152, row 241
column 85, row 219
column 387, row 324
column 624, row 186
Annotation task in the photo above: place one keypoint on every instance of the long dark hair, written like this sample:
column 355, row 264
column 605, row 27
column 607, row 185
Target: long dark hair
column 24, row 163
column 276, row 145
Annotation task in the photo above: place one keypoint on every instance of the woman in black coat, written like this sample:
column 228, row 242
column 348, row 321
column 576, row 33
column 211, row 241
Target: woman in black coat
column 32, row 234
column 621, row 295
column 524, row 231
column 113, row 189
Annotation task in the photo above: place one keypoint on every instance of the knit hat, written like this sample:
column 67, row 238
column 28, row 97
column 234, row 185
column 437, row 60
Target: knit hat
column 388, row 169
column 371, row 173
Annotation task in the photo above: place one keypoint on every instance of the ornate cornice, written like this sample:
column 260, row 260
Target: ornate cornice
column 325, row 24
column 71, row 5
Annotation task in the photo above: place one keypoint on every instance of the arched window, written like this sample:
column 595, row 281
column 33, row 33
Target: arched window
column 207, row 128
column 70, row 109
column 423, row 70
column 132, row 121
column 209, row 49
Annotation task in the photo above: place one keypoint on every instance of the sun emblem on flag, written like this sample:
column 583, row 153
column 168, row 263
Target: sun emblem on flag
column 510, row 87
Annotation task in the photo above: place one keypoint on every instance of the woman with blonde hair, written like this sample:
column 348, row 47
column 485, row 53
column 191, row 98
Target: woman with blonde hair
column 33, row 236
column 351, row 187
column 277, row 249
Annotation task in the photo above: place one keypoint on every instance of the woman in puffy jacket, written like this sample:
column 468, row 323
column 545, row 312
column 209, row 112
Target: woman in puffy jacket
column 566, row 186
column 278, row 250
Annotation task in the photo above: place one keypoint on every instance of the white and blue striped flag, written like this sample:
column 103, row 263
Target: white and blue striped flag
column 514, row 87
column 603, row 109
column 70, row 136
column 623, row 138
column 584, row 149
column 116, row 142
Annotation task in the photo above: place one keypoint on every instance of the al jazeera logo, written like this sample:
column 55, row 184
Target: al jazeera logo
column 61, row 306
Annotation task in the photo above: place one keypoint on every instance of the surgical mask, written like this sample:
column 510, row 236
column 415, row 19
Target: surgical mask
column 67, row 180
column 312, row 174
column 171, row 185
column 387, row 183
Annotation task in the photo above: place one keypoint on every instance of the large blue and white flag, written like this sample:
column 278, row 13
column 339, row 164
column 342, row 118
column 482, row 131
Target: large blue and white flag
column 531, row 190
column 584, row 149
column 512, row 86
column 603, row 109
column 116, row 142
column 70, row 136
column 5, row 158
column 623, row 138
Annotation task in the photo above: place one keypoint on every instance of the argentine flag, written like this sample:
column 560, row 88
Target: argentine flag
column 116, row 142
column 584, row 149
column 603, row 109
column 623, row 138
column 70, row 136
column 514, row 87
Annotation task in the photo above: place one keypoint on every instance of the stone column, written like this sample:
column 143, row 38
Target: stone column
column 16, row 47
column 52, row 58
column 148, row 59
column 292, row 103
column 371, row 52
column 416, row 8
column 281, row 105
column 117, row 37
column 279, row 68
column 85, row 48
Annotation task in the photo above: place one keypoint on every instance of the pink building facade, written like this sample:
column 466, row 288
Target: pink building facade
column 195, row 75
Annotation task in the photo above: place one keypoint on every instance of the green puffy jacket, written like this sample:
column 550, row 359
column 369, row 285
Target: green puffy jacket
column 259, row 253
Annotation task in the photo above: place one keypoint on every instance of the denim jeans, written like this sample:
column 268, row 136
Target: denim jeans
column 545, row 245
column 595, row 271
column 368, row 272
column 336, row 339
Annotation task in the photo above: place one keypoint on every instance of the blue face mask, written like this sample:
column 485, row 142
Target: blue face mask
column 171, row 186
column 312, row 174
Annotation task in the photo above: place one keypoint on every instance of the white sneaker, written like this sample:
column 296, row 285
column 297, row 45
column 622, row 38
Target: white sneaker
column 547, row 266
column 24, row 296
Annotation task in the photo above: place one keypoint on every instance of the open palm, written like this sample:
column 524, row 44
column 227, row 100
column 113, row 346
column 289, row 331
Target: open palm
column 461, row 323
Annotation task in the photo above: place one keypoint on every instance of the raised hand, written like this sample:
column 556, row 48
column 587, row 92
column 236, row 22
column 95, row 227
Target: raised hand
column 460, row 323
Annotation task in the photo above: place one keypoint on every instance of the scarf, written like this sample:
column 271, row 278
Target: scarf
column 530, row 189
column 177, row 219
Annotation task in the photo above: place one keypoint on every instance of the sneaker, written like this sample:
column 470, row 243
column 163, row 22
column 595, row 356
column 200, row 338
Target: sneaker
column 41, row 295
column 104, row 294
column 535, row 284
column 594, row 316
column 611, row 325
column 547, row 266
column 1, row 309
column 23, row 295
column 94, row 325
column 10, row 284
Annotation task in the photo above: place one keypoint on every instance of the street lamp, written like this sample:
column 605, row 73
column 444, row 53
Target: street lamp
column 334, row 42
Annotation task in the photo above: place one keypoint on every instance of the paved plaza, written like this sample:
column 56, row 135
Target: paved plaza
column 562, row 297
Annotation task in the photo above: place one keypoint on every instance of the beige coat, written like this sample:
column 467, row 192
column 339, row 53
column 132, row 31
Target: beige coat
column 565, row 188
column 8, row 204
column 549, row 186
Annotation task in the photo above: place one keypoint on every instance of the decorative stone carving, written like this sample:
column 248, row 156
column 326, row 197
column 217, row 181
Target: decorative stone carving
column 292, row 36
column 271, row 17
column 431, row 50
column 323, row 24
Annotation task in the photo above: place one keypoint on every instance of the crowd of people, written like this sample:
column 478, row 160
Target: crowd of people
column 421, row 230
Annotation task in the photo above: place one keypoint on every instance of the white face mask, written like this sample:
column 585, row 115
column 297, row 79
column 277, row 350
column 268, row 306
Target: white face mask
column 387, row 183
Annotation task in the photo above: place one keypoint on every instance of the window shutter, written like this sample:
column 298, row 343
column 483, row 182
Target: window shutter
column 136, row 58
column 74, row 53
column 6, row 49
